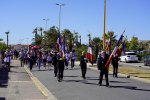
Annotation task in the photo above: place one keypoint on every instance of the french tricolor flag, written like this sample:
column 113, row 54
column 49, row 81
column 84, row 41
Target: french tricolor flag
column 89, row 54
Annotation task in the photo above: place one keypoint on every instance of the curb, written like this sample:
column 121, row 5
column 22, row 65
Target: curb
column 123, row 75
column 40, row 86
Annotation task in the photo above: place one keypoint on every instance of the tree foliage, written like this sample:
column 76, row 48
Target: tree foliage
column 133, row 44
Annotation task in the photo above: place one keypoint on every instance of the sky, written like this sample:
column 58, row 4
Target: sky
column 21, row 17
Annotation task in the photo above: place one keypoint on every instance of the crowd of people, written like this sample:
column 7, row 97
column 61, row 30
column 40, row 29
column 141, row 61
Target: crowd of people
column 58, row 61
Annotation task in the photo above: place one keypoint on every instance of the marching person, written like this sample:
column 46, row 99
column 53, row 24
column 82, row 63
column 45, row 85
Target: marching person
column 115, row 65
column 49, row 60
column 7, row 59
column 60, row 67
column 102, row 60
column 83, row 64
column 21, row 57
column 39, row 59
column 67, row 58
column 31, row 61
column 44, row 58
column 73, row 57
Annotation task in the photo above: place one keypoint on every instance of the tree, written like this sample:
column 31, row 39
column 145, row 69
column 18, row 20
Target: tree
column 89, row 36
column 50, row 38
column 133, row 44
column 68, row 39
column 97, row 44
column 3, row 46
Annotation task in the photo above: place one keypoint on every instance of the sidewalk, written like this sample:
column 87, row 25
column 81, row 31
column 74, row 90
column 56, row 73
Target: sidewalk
column 17, row 84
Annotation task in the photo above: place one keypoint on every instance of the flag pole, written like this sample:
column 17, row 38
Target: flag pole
column 104, row 24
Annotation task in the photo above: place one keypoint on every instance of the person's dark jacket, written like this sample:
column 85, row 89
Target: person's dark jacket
column 54, row 60
column 102, row 61
column 83, row 62
column 115, row 61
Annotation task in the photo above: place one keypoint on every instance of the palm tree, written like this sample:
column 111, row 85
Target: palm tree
column 35, row 31
column 41, row 29
column 89, row 35
column 80, row 39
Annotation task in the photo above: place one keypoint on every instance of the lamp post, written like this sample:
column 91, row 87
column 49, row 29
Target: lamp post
column 46, row 20
column 7, row 37
column 60, row 5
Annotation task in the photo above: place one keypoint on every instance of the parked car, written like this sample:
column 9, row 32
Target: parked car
column 147, row 60
column 129, row 57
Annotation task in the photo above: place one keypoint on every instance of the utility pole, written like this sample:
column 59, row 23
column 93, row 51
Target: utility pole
column 104, row 24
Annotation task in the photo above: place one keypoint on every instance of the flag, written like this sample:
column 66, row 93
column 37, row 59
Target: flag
column 108, row 45
column 89, row 54
column 63, row 46
column 114, row 51
column 58, row 45
column 121, row 48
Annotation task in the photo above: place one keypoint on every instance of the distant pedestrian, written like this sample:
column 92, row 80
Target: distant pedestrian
column 21, row 57
column 83, row 64
column 7, row 59
column 115, row 65
column 67, row 58
column 102, row 60
column 73, row 57
column 44, row 57
column 39, row 59
column 49, row 60
column 31, row 61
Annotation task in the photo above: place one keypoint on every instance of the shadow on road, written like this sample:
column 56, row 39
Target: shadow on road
column 2, row 98
column 3, row 78
column 130, row 87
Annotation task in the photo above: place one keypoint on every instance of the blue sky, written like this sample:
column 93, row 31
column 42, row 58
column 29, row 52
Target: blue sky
column 20, row 17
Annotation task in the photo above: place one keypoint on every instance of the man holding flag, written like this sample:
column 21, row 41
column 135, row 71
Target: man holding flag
column 101, row 66
column 60, row 57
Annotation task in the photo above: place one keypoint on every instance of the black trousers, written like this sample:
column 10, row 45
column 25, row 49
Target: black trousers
column 60, row 69
column 55, row 70
column 83, row 71
column 72, row 63
column 60, row 73
column 115, row 71
column 104, row 71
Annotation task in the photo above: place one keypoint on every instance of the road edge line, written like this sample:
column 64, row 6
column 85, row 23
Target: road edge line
column 40, row 86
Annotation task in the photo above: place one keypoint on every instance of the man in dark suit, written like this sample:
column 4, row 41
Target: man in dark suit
column 102, row 60
column 115, row 65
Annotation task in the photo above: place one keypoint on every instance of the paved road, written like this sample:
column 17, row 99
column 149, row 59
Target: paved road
column 74, row 88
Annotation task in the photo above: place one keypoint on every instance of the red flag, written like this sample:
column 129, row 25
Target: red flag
column 89, row 54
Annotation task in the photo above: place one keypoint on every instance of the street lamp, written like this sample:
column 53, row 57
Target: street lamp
column 46, row 23
column 60, row 5
column 7, row 37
